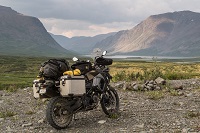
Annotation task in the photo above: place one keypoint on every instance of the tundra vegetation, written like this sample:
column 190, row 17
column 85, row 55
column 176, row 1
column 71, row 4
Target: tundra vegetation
column 142, row 70
column 19, row 72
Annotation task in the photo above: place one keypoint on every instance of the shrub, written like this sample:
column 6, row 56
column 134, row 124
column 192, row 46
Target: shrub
column 192, row 114
column 7, row 114
column 155, row 95
column 30, row 112
column 1, row 87
column 173, row 92
column 176, row 76
column 119, row 76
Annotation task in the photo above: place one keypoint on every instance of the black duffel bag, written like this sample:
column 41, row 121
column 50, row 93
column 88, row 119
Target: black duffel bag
column 103, row 61
column 54, row 68
column 83, row 66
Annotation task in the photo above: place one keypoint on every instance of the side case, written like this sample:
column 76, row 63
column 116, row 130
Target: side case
column 74, row 86
column 35, row 91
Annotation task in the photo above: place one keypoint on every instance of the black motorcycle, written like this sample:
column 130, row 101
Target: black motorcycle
column 82, row 92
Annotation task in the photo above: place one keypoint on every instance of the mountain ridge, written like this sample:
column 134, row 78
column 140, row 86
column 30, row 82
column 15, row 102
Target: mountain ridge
column 80, row 44
column 23, row 35
column 168, row 34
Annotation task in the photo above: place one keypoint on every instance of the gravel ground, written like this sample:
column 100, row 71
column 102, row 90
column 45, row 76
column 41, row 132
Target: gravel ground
column 21, row 113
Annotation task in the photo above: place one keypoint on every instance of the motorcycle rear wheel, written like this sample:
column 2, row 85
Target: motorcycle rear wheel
column 110, row 102
column 56, row 114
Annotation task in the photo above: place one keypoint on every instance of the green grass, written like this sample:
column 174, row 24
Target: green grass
column 19, row 72
column 7, row 114
column 192, row 114
column 131, row 70
column 155, row 95
column 173, row 92
column 30, row 112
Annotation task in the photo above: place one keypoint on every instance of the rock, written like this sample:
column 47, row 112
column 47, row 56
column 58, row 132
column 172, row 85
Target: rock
column 1, row 93
column 180, row 103
column 41, row 121
column 160, row 80
column 180, row 93
column 143, row 132
column 9, row 129
column 188, row 95
column 151, row 82
column 146, row 82
column 32, row 128
column 135, row 88
column 140, row 126
column 127, row 86
column 193, row 82
column 1, row 101
column 150, row 85
column 45, row 100
column 148, row 88
column 27, row 125
column 142, row 87
column 185, row 130
column 151, row 130
column 179, row 109
column 176, row 84
column 158, row 88
column 123, row 130
column 101, row 121
column 4, row 94
column 133, row 83
column 170, row 114
column 119, row 84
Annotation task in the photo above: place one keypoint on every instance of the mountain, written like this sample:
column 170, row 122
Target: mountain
column 81, row 44
column 168, row 34
column 26, row 36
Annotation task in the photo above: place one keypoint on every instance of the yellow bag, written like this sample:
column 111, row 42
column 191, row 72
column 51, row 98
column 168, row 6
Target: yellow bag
column 75, row 72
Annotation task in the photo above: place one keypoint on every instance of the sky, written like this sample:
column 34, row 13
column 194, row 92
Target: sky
column 92, row 17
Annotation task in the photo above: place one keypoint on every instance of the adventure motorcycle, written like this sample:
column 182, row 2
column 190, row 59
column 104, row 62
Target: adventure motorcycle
column 81, row 89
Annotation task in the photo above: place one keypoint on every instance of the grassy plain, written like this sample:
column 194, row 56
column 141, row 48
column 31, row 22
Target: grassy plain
column 19, row 72
column 140, row 70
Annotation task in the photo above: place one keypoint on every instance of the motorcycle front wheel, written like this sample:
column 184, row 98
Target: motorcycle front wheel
column 110, row 102
column 56, row 113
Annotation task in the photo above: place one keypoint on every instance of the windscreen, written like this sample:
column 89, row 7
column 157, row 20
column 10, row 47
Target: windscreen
column 96, row 52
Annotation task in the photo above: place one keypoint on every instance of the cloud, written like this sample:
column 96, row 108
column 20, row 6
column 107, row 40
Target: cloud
column 100, row 11
column 72, row 28
column 91, row 17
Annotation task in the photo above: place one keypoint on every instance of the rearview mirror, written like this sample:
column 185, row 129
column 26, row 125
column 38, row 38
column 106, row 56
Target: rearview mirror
column 104, row 53
column 75, row 59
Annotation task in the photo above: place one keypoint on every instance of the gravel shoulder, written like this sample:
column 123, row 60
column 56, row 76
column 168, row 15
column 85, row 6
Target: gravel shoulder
column 21, row 113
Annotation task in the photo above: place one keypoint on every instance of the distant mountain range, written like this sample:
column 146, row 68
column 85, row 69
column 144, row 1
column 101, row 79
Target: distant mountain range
column 26, row 36
column 168, row 34
column 81, row 44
